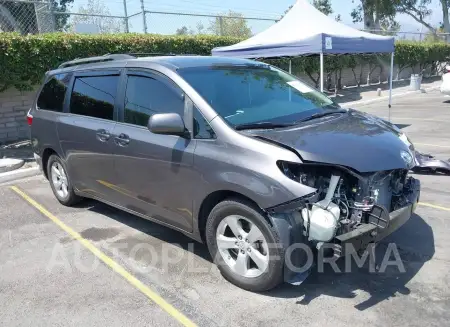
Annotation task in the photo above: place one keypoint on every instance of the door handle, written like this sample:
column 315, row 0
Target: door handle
column 122, row 139
column 102, row 135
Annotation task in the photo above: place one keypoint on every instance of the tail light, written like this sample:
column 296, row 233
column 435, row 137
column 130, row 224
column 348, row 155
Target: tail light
column 29, row 118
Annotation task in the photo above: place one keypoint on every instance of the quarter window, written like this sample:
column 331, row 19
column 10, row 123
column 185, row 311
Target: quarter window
column 202, row 130
column 94, row 96
column 53, row 93
column 146, row 96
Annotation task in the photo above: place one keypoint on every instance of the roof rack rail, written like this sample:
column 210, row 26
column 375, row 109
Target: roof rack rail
column 90, row 60
column 150, row 54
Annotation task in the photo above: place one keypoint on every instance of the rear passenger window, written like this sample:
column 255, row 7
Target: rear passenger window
column 94, row 96
column 146, row 96
column 53, row 93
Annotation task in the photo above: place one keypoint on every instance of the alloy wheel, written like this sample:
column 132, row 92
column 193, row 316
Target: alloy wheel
column 59, row 180
column 242, row 246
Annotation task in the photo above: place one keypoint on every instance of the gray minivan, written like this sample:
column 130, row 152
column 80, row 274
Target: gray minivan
column 234, row 153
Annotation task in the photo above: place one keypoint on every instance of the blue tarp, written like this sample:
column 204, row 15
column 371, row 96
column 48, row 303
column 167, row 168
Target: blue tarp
column 305, row 31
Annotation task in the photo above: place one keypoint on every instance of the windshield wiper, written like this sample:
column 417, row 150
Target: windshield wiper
column 260, row 125
column 321, row 114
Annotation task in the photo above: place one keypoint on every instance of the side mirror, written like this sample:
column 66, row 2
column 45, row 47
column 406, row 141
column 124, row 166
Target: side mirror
column 168, row 124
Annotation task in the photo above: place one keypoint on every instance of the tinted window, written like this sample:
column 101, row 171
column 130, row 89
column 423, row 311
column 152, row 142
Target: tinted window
column 202, row 130
column 53, row 93
column 256, row 93
column 94, row 96
column 146, row 96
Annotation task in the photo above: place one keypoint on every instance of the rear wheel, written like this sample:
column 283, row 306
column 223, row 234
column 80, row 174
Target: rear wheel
column 60, row 181
column 242, row 244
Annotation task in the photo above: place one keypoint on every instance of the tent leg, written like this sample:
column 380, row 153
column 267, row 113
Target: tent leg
column 321, row 72
column 390, row 84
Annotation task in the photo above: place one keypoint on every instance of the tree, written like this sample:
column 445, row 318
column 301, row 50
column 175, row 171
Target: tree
column 324, row 6
column 445, row 20
column 184, row 30
column 433, row 37
column 60, row 19
column 105, row 24
column 417, row 9
column 22, row 16
column 230, row 24
column 374, row 13
column 389, row 28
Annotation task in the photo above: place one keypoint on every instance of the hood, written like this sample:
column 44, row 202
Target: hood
column 352, row 139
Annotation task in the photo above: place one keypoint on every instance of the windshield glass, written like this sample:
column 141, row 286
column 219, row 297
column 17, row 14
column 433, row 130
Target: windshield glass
column 255, row 94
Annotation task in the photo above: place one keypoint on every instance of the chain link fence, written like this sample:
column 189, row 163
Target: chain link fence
column 43, row 16
column 190, row 24
column 37, row 17
column 26, row 17
column 413, row 36
column 93, row 17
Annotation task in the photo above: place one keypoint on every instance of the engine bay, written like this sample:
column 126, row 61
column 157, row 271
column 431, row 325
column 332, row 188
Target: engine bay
column 347, row 199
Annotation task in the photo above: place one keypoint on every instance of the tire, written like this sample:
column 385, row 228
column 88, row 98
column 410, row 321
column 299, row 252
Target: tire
column 68, row 198
column 272, row 274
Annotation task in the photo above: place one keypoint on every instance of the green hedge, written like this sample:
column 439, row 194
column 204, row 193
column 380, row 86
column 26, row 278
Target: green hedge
column 24, row 59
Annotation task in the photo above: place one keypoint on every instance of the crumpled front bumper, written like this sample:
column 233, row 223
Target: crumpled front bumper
column 359, row 238
column 287, row 220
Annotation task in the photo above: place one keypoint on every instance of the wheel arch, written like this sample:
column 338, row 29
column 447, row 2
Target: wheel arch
column 214, row 198
column 45, row 156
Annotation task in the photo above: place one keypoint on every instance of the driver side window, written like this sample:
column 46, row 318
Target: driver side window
column 146, row 96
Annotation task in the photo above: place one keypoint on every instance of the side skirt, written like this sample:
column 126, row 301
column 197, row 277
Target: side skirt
column 194, row 236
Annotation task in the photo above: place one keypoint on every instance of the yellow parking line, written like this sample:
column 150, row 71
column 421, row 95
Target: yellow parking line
column 435, row 145
column 110, row 262
column 433, row 206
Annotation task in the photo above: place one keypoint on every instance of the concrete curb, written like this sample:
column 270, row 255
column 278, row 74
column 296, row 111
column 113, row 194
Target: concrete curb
column 10, row 164
column 18, row 174
column 363, row 102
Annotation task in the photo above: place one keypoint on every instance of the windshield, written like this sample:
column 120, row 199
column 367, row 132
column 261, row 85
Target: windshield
column 254, row 94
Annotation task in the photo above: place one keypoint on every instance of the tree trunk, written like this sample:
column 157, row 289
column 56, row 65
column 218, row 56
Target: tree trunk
column 361, row 75
column 315, row 80
column 329, row 82
column 339, row 84
column 445, row 19
column 369, row 21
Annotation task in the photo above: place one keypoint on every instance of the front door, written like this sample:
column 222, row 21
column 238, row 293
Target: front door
column 153, row 171
column 85, row 132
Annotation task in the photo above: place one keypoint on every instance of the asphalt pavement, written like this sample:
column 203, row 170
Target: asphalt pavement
column 48, row 277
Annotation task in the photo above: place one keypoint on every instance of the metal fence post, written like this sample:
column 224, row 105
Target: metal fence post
column 221, row 25
column 125, row 12
column 144, row 21
column 52, row 16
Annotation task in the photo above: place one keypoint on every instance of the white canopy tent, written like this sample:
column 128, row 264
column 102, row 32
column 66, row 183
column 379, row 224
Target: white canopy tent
column 304, row 30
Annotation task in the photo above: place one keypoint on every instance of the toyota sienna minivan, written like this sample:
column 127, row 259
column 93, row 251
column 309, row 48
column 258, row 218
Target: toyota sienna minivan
column 234, row 153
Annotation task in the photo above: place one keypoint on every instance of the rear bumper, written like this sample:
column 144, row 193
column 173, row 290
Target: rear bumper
column 359, row 238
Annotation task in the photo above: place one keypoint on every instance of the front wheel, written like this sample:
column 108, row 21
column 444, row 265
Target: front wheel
column 244, row 246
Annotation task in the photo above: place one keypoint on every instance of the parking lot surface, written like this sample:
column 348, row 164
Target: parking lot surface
column 47, row 277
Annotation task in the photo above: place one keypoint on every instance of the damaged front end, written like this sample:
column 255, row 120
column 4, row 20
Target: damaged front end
column 349, row 207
